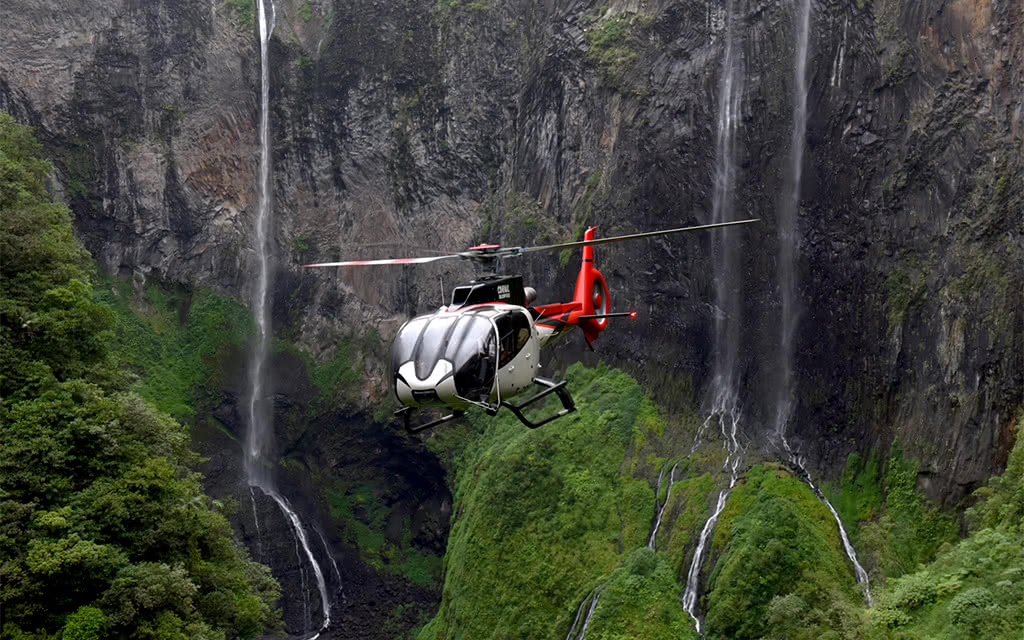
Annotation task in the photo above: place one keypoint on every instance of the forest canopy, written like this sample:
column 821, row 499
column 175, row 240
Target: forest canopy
column 104, row 529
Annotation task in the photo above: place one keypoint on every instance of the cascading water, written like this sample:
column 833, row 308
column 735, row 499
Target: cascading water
column 726, row 412
column 787, row 272
column 786, row 263
column 256, row 521
column 260, row 432
column 303, row 540
column 579, row 631
column 260, row 426
column 330, row 556
column 725, row 260
column 659, row 507
column 724, row 248
column 858, row 571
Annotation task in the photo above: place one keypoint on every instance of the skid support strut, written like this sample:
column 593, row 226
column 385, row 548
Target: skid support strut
column 406, row 414
column 550, row 386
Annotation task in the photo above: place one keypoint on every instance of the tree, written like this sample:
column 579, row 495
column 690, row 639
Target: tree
column 104, row 529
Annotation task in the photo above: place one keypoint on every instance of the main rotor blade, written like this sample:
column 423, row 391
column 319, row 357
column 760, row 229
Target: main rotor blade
column 633, row 236
column 370, row 263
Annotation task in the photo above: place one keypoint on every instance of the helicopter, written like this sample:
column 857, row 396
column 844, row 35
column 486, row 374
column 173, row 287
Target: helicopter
column 483, row 349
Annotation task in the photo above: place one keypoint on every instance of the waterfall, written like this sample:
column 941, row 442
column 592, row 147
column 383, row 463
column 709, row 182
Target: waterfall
column 260, row 425
column 725, row 261
column 579, row 632
column 724, row 245
column 787, row 270
column 260, row 433
column 330, row 556
column 786, row 264
column 256, row 521
column 726, row 412
column 858, row 571
column 659, row 507
column 300, row 533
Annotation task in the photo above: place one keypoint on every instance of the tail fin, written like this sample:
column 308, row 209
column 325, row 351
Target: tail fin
column 591, row 292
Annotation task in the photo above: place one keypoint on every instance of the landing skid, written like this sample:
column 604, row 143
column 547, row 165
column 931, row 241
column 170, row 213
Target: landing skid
column 406, row 413
column 550, row 386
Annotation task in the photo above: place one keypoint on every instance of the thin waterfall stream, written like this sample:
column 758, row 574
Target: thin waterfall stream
column 579, row 631
column 256, row 521
column 786, row 264
column 726, row 412
column 787, row 275
column 299, row 532
column 260, row 433
column 858, row 571
column 330, row 556
column 725, row 261
column 659, row 507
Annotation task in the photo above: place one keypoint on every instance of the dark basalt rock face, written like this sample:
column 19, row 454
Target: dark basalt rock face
column 400, row 127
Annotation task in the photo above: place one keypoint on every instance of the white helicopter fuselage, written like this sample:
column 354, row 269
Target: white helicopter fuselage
column 477, row 355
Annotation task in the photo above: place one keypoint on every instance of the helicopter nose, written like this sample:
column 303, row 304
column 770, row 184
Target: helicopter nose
column 433, row 389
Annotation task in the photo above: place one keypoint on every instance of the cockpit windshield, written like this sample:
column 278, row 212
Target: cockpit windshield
column 468, row 341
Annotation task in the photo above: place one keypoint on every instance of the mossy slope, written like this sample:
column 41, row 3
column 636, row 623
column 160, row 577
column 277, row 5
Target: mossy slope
column 975, row 589
column 545, row 516
column 780, row 555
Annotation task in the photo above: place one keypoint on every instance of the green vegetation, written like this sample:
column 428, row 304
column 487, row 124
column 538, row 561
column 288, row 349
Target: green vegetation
column 338, row 379
column 365, row 517
column 896, row 64
column 859, row 495
column 104, row 530
column 887, row 15
column 1002, row 505
column 76, row 160
column 910, row 530
column 780, row 552
column 339, row 375
column 985, row 283
column 523, row 221
column 691, row 501
column 519, row 219
column 608, row 45
column 553, row 513
column 975, row 589
column 612, row 41
column 450, row 6
column 245, row 10
column 178, row 345
column 640, row 599
column 905, row 286
column 539, row 527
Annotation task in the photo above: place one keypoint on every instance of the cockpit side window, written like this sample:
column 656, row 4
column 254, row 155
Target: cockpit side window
column 473, row 349
column 513, row 334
